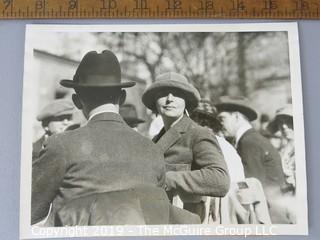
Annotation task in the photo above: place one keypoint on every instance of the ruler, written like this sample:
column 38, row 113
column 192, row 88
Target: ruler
column 159, row 9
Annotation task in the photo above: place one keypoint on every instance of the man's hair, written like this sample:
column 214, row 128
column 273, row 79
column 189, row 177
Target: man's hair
column 99, row 96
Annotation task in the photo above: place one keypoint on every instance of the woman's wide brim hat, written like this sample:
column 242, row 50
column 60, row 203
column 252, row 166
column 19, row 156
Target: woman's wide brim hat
column 237, row 104
column 171, row 80
column 283, row 112
column 97, row 70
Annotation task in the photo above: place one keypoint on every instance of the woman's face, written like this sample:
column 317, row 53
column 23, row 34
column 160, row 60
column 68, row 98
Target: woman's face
column 170, row 103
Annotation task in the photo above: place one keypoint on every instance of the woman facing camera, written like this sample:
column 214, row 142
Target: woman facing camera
column 283, row 124
column 195, row 166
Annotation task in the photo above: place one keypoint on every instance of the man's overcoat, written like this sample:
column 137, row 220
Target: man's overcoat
column 260, row 159
column 104, row 156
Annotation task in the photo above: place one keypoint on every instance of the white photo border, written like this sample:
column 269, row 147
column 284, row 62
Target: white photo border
column 301, row 228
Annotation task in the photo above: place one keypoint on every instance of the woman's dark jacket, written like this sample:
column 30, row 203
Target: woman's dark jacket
column 195, row 165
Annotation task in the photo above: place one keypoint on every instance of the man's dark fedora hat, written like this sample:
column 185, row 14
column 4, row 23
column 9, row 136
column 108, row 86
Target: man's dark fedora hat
column 98, row 70
column 237, row 104
column 129, row 114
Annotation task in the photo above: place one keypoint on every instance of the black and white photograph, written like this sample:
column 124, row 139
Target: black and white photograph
column 155, row 130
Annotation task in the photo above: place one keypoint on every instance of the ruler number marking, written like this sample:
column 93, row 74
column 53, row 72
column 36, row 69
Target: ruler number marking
column 270, row 4
column 141, row 4
column 73, row 4
column 301, row 5
column 173, row 4
column 7, row 4
column 206, row 5
column 40, row 5
column 238, row 5
column 109, row 4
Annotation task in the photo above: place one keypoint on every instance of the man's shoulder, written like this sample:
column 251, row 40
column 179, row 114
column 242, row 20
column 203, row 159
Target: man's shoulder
column 143, row 141
column 67, row 138
column 142, row 146
column 253, row 139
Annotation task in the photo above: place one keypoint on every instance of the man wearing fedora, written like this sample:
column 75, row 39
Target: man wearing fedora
column 260, row 159
column 105, row 156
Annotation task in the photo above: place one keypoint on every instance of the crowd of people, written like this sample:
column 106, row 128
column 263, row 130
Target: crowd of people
column 207, row 164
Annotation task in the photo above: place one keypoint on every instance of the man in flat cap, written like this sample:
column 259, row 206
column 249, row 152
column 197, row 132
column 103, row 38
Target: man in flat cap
column 55, row 117
column 76, row 170
column 260, row 159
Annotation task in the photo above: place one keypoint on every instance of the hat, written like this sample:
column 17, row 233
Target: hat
column 171, row 80
column 97, row 70
column 56, row 108
column 237, row 104
column 129, row 114
column 285, row 111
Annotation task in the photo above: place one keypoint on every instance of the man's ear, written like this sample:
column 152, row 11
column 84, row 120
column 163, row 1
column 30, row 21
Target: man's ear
column 76, row 101
column 123, row 96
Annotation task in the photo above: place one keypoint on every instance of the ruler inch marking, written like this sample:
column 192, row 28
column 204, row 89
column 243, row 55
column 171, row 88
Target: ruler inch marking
column 160, row 9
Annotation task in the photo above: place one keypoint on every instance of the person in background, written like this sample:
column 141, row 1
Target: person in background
column 130, row 115
column 264, row 122
column 260, row 159
column 222, row 210
column 195, row 166
column 283, row 123
column 206, row 115
column 56, row 117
